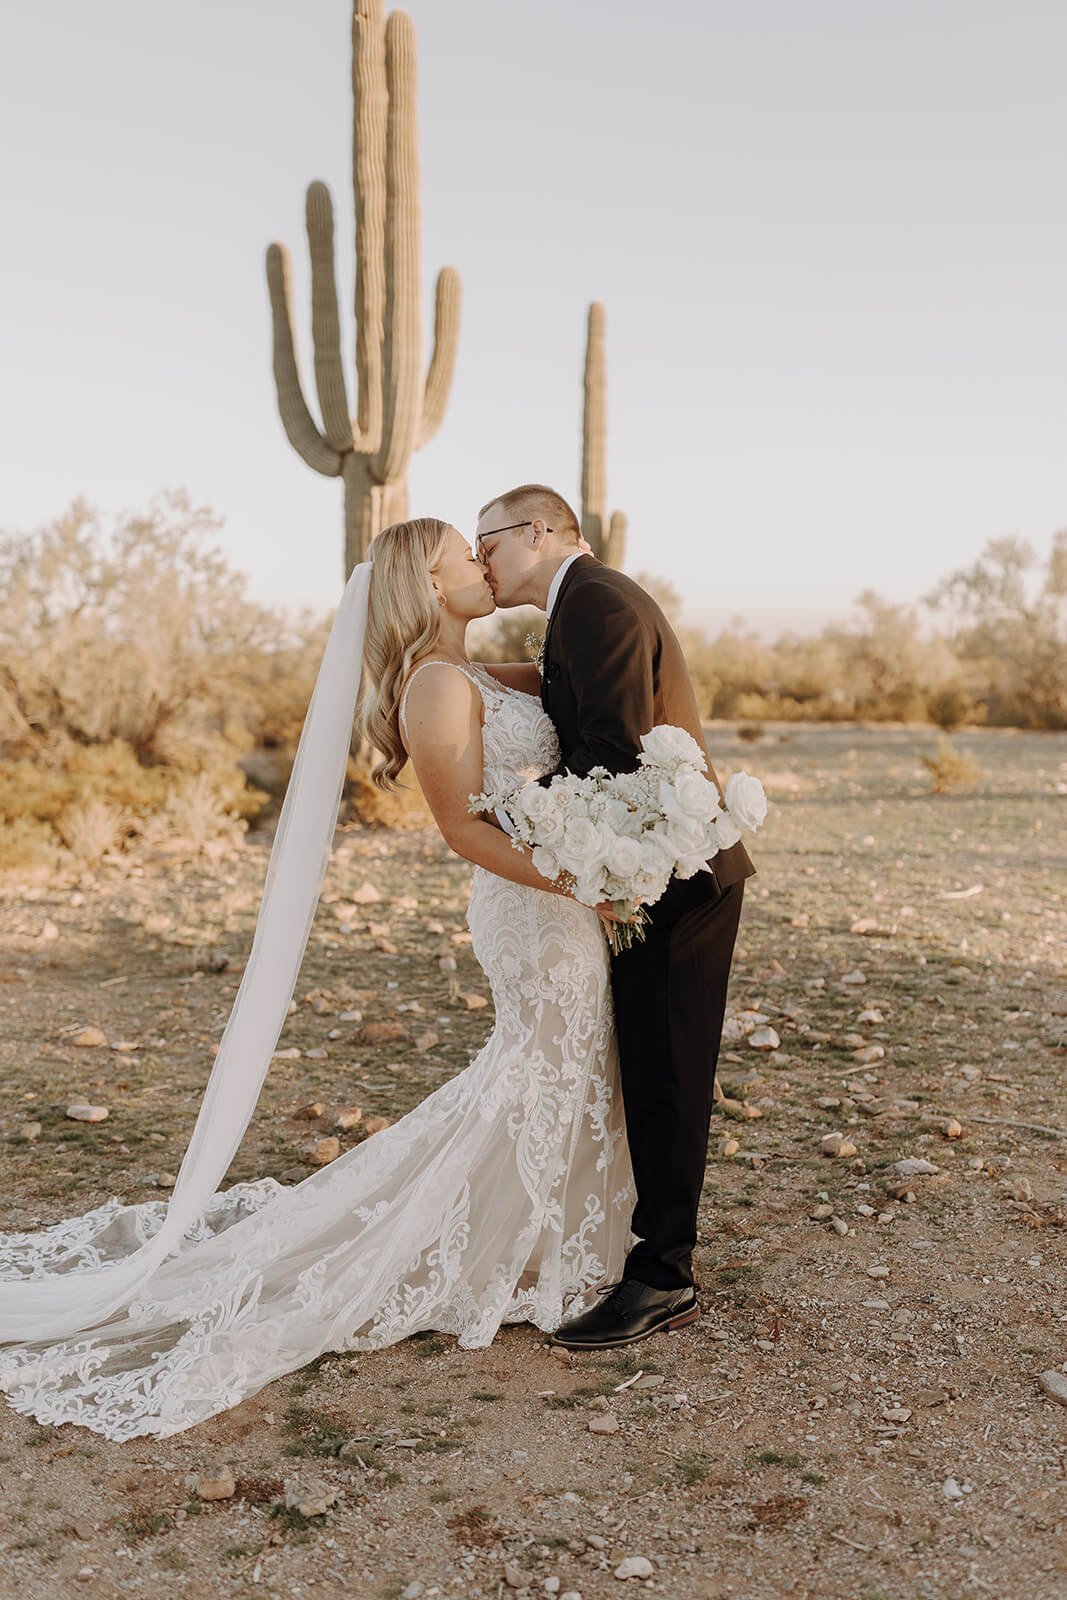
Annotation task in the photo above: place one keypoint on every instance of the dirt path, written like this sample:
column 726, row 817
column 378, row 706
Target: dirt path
column 857, row 1414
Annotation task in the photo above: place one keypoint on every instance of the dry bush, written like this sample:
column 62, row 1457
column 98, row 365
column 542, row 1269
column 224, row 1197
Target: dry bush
column 951, row 768
column 134, row 674
column 92, row 828
column 375, row 808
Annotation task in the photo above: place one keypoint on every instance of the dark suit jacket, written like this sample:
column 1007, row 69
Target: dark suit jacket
column 613, row 669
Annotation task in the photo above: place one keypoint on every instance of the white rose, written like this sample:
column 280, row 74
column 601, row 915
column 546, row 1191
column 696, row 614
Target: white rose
column 726, row 830
column 583, row 845
column 545, row 862
column 695, row 795
column 687, row 836
column 624, row 856
column 666, row 744
column 746, row 800
column 689, row 866
column 534, row 802
column 549, row 830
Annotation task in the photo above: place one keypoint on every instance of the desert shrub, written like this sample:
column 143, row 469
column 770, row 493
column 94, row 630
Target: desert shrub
column 950, row 768
column 400, row 808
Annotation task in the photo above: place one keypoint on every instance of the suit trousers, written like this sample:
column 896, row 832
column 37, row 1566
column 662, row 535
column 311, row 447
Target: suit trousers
column 669, row 994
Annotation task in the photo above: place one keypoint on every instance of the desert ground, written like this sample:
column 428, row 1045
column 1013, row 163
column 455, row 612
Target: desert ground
column 858, row 1413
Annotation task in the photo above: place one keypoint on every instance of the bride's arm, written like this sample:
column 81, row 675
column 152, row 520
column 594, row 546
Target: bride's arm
column 515, row 674
column 444, row 739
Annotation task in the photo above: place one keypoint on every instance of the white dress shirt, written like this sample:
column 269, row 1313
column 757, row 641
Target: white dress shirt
column 553, row 594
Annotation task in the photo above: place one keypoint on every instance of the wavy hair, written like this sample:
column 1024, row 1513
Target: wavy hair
column 403, row 621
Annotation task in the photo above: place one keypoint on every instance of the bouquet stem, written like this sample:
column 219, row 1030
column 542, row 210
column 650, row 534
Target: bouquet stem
column 624, row 935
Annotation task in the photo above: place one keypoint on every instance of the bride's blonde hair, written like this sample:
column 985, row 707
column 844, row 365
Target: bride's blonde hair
column 403, row 621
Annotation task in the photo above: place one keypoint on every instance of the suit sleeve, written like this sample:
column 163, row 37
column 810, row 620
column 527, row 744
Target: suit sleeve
column 609, row 664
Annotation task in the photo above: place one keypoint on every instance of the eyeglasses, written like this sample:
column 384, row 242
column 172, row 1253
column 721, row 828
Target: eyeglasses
column 489, row 532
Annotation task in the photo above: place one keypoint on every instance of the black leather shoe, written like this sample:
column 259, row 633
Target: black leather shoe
column 631, row 1311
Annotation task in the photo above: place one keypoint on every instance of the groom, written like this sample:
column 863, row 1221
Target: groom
column 612, row 670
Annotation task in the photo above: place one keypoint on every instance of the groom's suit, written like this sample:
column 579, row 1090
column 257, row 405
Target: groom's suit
column 612, row 670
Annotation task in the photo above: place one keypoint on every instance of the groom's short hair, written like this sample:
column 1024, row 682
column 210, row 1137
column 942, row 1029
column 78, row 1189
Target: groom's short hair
column 538, row 500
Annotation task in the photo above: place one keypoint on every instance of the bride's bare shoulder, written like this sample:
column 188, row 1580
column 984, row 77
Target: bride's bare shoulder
column 425, row 692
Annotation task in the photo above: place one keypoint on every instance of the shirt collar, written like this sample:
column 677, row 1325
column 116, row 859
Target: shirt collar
column 553, row 590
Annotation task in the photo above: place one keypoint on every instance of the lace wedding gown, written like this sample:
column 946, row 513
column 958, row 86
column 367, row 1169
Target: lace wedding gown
column 505, row 1194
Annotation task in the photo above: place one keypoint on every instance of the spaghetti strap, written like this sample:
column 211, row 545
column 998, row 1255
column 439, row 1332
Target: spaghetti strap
column 432, row 663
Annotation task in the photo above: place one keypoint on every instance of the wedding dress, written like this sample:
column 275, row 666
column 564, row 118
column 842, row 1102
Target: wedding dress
column 503, row 1196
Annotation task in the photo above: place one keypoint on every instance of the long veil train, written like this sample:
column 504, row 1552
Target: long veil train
column 46, row 1294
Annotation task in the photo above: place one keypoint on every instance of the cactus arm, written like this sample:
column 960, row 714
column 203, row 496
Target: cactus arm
column 370, row 93
column 615, row 542
column 403, row 354
column 325, row 322
column 297, row 420
column 443, row 360
column 594, row 432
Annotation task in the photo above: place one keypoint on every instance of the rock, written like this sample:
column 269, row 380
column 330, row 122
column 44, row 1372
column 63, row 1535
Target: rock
column 595, row 1542
column 839, row 1225
column 1020, row 1190
column 869, row 1054
column 348, row 1116
column 648, row 1380
column 952, row 1129
column 870, row 1014
column 876, row 1305
column 763, row 1039
column 292, row 1054
column 30, row 1131
column 48, row 932
column 1054, row 1384
column 125, row 1047
column 376, row 1124
column 828, row 1102
column 821, row 1213
column 911, row 1167
column 293, row 1175
column 312, row 1499
column 318, row 1054
column 383, row 1033
column 309, row 1113
column 878, row 1270
column 604, row 1423
column 474, row 1002
column 952, row 1490
column 366, row 895
column 413, row 1591
column 84, row 1574
column 165, row 1180
column 80, row 1112
column 89, row 1039
column 835, row 1144
column 515, row 1577
column 426, row 1041
column 925, row 1398
column 634, row 1567
column 322, row 1151
column 726, row 1147
column 896, row 1414
column 216, row 1484
column 350, row 1016
column 854, row 977
column 865, row 1211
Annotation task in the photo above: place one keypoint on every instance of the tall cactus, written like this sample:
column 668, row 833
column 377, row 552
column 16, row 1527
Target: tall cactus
column 396, row 410
column 607, row 536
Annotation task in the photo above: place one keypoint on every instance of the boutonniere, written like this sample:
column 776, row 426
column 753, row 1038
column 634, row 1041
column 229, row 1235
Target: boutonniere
column 535, row 642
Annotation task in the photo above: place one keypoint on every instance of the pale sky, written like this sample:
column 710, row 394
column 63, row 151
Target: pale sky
column 831, row 239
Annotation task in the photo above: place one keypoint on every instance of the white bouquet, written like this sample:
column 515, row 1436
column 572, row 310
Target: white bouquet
column 623, row 837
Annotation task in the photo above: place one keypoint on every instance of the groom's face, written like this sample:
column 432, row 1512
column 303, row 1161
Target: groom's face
column 508, row 552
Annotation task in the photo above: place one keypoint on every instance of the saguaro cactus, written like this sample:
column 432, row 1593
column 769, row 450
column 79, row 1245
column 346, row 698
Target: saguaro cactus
column 396, row 410
column 607, row 536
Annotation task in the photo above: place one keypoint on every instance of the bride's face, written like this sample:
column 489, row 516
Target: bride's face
column 460, row 578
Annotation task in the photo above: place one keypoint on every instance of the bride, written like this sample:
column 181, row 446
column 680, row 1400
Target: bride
column 505, row 1196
